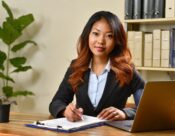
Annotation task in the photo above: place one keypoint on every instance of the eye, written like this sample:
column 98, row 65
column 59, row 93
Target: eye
column 95, row 33
column 110, row 36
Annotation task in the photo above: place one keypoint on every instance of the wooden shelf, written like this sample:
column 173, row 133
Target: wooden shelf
column 156, row 69
column 150, row 21
column 134, row 24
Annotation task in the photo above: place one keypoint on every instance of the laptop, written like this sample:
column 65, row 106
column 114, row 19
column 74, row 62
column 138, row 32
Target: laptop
column 156, row 110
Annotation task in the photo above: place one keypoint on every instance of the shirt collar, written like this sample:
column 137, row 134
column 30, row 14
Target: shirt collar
column 107, row 67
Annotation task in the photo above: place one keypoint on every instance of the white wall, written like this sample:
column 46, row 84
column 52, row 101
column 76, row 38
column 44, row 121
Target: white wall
column 57, row 26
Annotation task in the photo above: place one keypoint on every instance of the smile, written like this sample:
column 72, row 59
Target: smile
column 100, row 49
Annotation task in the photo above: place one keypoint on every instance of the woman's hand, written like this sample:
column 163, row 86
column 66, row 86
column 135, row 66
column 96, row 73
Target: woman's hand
column 72, row 113
column 112, row 113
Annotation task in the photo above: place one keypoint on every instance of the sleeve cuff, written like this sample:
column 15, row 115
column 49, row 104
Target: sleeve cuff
column 130, row 113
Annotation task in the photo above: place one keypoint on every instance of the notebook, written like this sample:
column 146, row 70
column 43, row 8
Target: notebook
column 63, row 125
column 156, row 110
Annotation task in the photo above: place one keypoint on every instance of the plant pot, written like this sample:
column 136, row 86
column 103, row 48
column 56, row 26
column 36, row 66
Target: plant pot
column 4, row 113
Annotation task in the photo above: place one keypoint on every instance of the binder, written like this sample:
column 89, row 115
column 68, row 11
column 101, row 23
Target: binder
column 172, row 48
column 130, row 42
column 148, row 43
column 138, row 41
column 170, row 8
column 159, row 11
column 63, row 125
column 148, row 8
column 137, row 9
column 156, row 47
column 129, row 9
column 165, row 48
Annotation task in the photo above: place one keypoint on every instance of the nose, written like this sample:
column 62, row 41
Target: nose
column 101, row 39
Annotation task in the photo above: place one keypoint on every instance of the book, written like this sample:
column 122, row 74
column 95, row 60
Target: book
column 172, row 48
column 137, row 9
column 63, row 125
column 138, row 50
column 129, row 9
column 156, row 47
column 130, row 42
column 165, row 48
column 148, row 8
column 148, row 45
column 159, row 11
column 169, row 8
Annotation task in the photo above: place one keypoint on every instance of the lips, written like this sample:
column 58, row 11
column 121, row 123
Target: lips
column 100, row 49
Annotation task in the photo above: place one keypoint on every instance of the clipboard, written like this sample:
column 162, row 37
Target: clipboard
column 63, row 125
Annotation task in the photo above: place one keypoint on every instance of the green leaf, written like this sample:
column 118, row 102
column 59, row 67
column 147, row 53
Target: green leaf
column 8, row 91
column 12, row 28
column 2, row 59
column 6, row 77
column 22, row 69
column 7, row 9
column 22, row 93
column 1, row 33
column 9, row 34
column 18, row 61
column 23, row 21
column 22, row 45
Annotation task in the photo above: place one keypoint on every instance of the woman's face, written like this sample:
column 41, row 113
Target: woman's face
column 101, row 39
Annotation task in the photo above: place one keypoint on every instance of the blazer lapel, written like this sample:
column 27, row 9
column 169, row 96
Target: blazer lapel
column 84, row 90
column 110, row 84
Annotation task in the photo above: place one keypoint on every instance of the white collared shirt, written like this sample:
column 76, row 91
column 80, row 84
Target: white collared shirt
column 97, row 84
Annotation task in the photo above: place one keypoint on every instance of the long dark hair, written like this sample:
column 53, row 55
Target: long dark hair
column 120, row 56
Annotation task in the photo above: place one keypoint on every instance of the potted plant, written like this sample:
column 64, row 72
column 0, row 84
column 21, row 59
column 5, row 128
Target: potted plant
column 5, row 108
column 10, row 62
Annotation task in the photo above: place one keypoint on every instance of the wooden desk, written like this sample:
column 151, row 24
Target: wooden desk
column 17, row 120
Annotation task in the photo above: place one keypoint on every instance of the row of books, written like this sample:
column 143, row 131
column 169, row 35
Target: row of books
column 142, row 9
column 153, row 49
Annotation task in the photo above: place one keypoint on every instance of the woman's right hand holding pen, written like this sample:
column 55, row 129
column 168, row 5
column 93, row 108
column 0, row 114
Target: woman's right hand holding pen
column 73, row 113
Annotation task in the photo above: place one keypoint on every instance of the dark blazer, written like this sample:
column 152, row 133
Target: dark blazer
column 113, row 95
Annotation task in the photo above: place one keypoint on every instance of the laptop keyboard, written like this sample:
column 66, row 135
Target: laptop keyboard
column 128, row 123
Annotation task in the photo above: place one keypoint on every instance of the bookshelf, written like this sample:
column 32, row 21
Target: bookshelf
column 147, row 25
column 151, row 21
column 156, row 69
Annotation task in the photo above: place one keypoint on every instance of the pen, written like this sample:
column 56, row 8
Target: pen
column 81, row 116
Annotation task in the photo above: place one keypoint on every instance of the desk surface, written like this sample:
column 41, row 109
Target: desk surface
column 17, row 120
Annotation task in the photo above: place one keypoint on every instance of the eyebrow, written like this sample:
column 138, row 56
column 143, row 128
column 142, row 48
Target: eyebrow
column 106, row 32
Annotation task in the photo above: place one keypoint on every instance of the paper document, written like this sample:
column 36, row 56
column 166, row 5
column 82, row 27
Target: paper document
column 62, row 124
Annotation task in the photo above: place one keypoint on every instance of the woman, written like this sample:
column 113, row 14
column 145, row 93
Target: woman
column 102, row 77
